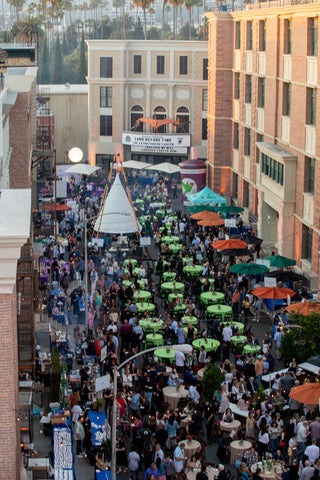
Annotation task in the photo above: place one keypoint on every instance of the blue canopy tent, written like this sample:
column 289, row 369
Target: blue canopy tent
column 206, row 196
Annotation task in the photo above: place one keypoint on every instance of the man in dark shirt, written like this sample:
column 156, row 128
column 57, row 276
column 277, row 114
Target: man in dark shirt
column 125, row 333
column 161, row 435
column 202, row 475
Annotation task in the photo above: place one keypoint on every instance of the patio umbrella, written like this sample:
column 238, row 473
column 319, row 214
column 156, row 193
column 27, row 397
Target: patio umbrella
column 276, row 293
column 134, row 164
column 82, row 169
column 208, row 222
column 236, row 252
column 288, row 276
column 304, row 308
column 232, row 243
column 228, row 209
column 165, row 167
column 248, row 268
column 249, row 238
column 204, row 215
column 280, row 261
column 308, row 393
column 52, row 207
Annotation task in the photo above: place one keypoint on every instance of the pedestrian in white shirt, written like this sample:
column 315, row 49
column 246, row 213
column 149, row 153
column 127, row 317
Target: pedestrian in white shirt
column 312, row 452
column 180, row 359
column 76, row 413
column 227, row 333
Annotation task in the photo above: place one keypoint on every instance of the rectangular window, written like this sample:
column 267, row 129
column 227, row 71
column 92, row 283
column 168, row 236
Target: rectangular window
column 247, row 141
column 272, row 168
column 137, row 64
column 106, row 97
column 287, row 37
column 310, row 172
column 205, row 69
column 313, row 36
column 262, row 36
column 236, row 135
column 249, row 35
column 235, row 185
column 248, row 88
column 308, row 244
column 183, row 65
column 311, row 106
column 106, row 125
column 246, row 194
column 160, row 64
column 286, row 105
column 106, row 67
column 204, row 129
column 237, row 44
column 204, row 99
column 261, row 92
column 236, row 85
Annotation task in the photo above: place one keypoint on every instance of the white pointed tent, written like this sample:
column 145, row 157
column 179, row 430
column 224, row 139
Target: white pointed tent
column 117, row 214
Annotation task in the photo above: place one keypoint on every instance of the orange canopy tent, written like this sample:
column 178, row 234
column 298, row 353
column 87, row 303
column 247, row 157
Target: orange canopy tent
column 204, row 215
column 52, row 207
column 227, row 244
column 276, row 293
column 305, row 308
column 307, row 393
column 208, row 222
column 155, row 124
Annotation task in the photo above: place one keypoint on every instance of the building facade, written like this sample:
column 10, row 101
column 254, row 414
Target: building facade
column 17, row 341
column 130, row 80
column 263, row 122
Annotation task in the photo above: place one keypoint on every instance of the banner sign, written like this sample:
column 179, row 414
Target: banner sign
column 98, row 427
column 230, row 222
column 102, row 383
column 145, row 241
column 63, row 455
column 156, row 143
column 99, row 242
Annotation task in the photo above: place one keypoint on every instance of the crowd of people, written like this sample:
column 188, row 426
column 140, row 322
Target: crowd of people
column 152, row 435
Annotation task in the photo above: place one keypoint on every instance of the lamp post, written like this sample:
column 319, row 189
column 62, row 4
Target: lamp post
column 114, row 407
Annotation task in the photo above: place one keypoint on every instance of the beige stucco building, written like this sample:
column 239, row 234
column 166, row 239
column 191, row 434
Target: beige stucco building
column 134, row 79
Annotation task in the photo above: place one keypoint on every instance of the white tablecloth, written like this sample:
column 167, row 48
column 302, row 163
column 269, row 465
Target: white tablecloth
column 172, row 396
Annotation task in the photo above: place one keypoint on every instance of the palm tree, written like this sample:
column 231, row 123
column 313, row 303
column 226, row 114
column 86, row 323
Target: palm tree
column 174, row 4
column 164, row 3
column 189, row 4
column 144, row 5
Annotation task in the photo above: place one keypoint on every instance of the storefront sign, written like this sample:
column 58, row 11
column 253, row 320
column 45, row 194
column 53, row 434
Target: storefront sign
column 156, row 143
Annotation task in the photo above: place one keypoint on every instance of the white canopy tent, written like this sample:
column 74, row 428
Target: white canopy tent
column 165, row 167
column 117, row 215
column 82, row 169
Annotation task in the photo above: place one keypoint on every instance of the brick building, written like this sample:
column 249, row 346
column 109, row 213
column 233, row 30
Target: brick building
column 128, row 80
column 263, row 122
column 17, row 106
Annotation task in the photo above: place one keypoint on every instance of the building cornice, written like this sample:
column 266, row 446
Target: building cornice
column 309, row 9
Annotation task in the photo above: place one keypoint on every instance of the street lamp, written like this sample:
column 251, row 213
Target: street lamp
column 75, row 154
column 114, row 406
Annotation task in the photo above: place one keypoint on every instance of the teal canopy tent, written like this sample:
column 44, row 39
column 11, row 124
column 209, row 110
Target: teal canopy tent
column 206, row 196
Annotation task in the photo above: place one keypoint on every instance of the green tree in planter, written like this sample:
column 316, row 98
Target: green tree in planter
column 259, row 397
column 55, row 376
column 212, row 379
column 288, row 348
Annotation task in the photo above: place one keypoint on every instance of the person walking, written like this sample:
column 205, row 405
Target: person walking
column 79, row 436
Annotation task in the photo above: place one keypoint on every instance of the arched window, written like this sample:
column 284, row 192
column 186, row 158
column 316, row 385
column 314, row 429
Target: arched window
column 136, row 112
column 160, row 113
column 183, row 117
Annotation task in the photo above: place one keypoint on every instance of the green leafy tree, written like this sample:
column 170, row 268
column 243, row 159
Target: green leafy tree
column 212, row 379
column 44, row 73
column 82, row 61
column 57, row 71
column 154, row 33
column 71, row 66
column 144, row 5
column 138, row 30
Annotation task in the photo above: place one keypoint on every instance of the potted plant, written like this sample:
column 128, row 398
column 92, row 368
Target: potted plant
column 212, row 380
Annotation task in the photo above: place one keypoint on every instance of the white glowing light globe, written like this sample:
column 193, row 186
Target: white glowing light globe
column 75, row 154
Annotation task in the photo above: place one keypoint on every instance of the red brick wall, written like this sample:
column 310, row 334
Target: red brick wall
column 9, row 431
column 22, row 123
